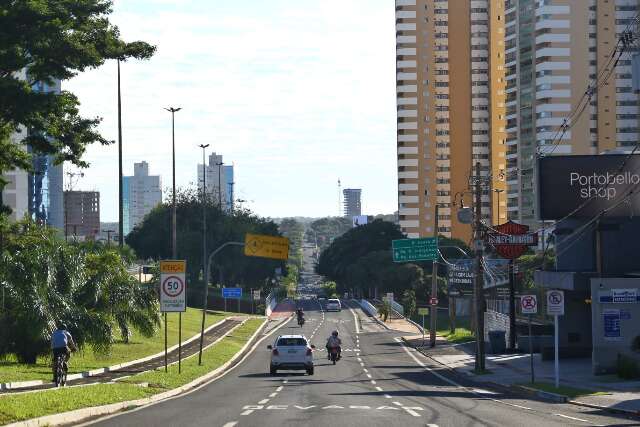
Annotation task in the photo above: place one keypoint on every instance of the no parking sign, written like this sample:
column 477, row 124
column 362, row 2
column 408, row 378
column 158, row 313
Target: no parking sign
column 173, row 288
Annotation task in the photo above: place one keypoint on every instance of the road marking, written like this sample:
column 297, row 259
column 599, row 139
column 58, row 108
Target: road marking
column 279, row 389
column 273, row 394
column 365, row 370
column 231, row 424
column 574, row 418
column 368, row 375
column 355, row 319
column 358, row 359
column 263, row 401
column 379, row 388
column 419, row 362
column 410, row 410
column 373, row 382
column 247, row 412
column 362, row 364
column 285, row 381
column 387, row 396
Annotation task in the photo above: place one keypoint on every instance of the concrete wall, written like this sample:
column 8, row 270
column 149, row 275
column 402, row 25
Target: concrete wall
column 614, row 324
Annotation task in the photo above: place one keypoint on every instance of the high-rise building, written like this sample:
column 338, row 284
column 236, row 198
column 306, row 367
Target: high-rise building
column 217, row 182
column 82, row 214
column 555, row 49
column 351, row 201
column 450, row 110
column 141, row 193
column 15, row 194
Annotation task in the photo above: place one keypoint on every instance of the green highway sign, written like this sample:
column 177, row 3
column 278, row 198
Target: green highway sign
column 423, row 311
column 425, row 249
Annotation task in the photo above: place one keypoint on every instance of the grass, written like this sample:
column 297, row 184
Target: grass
column 31, row 405
column 138, row 347
column 462, row 332
column 570, row 392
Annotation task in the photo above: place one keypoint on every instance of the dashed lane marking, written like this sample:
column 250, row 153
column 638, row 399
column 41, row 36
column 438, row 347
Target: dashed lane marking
column 379, row 388
column 410, row 410
column 387, row 396
column 263, row 401
column 368, row 375
column 273, row 394
column 365, row 370
column 231, row 424
column 373, row 382
column 279, row 389
column 575, row 419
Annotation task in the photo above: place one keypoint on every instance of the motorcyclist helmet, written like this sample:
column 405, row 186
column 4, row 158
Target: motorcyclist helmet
column 334, row 333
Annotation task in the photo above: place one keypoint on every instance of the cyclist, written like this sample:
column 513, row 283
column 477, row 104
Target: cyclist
column 61, row 344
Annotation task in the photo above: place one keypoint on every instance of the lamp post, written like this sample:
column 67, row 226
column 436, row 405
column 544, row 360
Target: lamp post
column 220, row 184
column 120, row 190
column 204, row 245
column 174, row 248
column 498, row 191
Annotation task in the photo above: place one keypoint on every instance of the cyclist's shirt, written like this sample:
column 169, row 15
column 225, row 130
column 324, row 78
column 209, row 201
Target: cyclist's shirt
column 60, row 339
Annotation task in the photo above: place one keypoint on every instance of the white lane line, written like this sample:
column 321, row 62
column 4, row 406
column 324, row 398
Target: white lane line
column 368, row 375
column 355, row 319
column 263, row 401
column 387, row 396
column 358, row 359
column 285, row 381
column 379, row 388
column 373, row 382
column 279, row 389
column 574, row 419
column 409, row 410
column 231, row 424
column 366, row 370
column 361, row 364
column 273, row 394
column 247, row 412
column 397, row 403
column 419, row 362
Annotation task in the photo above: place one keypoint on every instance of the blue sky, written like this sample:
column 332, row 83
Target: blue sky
column 296, row 93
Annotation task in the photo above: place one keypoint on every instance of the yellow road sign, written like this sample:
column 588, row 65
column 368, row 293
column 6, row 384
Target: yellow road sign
column 173, row 266
column 266, row 246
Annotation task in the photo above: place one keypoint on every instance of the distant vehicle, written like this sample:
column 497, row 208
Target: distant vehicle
column 334, row 305
column 291, row 352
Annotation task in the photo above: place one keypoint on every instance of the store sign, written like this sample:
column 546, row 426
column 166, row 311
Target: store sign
column 512, row 240
column 587, row 186
column 624, row 295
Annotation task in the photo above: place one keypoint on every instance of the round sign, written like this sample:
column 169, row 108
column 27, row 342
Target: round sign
column 173, row 286
column 554, row 297
column 529, row 304
column 434, row 301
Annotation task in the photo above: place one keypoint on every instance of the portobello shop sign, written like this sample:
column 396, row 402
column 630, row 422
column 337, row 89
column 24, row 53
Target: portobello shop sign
column 586, row 186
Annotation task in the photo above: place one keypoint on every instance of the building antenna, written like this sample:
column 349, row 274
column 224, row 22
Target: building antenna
column 339, row 198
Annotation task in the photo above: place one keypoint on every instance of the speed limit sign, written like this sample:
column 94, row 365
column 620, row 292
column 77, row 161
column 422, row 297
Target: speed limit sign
column 173, row 288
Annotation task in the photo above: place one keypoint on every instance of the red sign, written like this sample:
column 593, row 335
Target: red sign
column 512, row 239
column 433, row 301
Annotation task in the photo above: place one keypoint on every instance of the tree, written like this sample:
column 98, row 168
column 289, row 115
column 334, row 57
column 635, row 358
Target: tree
column 44, row 41
column 294, row 231
column 409, row 302
column 324, row 230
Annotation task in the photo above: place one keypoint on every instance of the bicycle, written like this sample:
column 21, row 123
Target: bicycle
column 60, row 370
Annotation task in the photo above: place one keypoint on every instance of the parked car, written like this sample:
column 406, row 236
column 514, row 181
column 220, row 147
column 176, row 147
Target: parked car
column 291, row 352
column 333, row 305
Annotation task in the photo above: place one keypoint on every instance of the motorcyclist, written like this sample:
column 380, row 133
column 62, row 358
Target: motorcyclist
column 334, row 342
column 61, row 344
column 300, row 314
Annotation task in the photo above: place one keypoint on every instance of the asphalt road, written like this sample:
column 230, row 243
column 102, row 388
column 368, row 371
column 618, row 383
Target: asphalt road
column 378, row 382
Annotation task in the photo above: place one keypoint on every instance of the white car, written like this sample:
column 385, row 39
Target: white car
column 333, row 305
column 291, row 352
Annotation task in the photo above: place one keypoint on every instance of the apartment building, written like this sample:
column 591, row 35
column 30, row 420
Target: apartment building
column 82, row 214
column 555, row 49
column 141, row 193
column 450, row 85
column 217, row 180
column 352, row 202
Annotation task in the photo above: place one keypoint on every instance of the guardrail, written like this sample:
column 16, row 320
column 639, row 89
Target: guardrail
column 397, row 308
column 270, row 303
column 369, row 308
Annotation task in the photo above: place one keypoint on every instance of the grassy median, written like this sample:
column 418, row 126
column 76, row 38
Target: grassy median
column 138, row 347
column 31, row 405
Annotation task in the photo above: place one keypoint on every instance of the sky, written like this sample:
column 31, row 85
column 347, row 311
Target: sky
column 295, row 93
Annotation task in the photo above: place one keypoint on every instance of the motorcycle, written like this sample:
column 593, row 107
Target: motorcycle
column 333, row 354
column 300, row 321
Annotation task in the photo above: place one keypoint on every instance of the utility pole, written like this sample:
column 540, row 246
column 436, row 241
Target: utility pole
column 512, row 305
column 478, row 285
column 120, row 190
column 205, row 279
column 434, row 289
column 220, row 184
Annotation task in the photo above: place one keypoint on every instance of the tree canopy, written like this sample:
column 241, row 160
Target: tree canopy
column 43, row 41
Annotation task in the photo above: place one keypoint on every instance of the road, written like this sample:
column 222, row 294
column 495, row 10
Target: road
column 378, row 382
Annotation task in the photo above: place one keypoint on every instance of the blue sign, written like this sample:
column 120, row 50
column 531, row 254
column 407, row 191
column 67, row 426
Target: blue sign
column 232, row 293
column 611, row 320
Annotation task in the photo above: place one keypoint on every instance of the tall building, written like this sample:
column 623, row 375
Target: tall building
column 450, row 111
column 555, row 48
column 229, row 184
column 15, row 194
column 82, row 214
column 351, row 202
column 216, row 179
column 141, row 193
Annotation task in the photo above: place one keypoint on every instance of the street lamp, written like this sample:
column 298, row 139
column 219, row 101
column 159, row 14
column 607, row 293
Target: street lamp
column 219, row 185
column 174, row 248
column 204, row 245
column 120, row 190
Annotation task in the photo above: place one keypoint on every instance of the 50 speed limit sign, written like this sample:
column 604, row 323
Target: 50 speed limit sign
column 173, row 288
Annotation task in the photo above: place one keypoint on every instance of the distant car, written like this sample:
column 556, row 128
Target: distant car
column 291, row 352
column 333, row 305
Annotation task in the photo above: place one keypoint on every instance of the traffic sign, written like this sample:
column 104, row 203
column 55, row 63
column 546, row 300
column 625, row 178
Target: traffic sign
column 555, row 303
column 266, row 246
column 425, row 249
column 529, row 304
column 433, row 301
column 256, row 294
column 173, row 287
column 232, row 293
column 423, row 311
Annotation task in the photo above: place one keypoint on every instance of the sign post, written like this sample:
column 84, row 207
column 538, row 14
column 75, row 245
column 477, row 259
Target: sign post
column 232, row 293
column 423, row 311
column 529, row 306
column 555, row 307
column 173, row 298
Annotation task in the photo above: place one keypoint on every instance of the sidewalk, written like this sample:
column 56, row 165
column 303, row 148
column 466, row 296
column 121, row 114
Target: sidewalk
column 514, row 370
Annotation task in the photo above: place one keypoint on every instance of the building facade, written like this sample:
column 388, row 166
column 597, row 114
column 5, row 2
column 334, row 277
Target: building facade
column 352, row 202
column 82, row 214
column 555, row 50
column 216, row 180
column 229, row 184
column 141, row 193
column 450, row 112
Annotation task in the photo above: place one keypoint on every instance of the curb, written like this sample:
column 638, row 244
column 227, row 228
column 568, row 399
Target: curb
column 85, row 374
column 546, row 395
column 97, row 411
column 605, row 408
